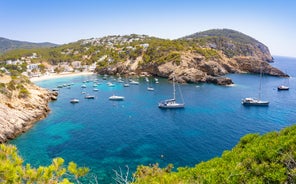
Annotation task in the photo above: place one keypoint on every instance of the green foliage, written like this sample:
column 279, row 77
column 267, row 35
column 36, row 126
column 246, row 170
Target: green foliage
column 226, row 33
column 230, row 42
column 270, row 158
column 161, row 51
column 122, row 48
column 23, row 92
column 17, row 84
column 11, row 85
column 12, row 169
column 208, row 53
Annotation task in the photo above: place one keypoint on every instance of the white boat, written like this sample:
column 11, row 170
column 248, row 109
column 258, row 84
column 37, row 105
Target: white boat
column 156, row 80
column 95, row 89
column 116, row 98
column 282, row 87
column 250, row 101
column 150, row 88
column 74, row 100
column 134, row 82
column 89, row 97
column 254, row 102
column 110, row 84
column 83, row 86
column 171, row 103
column 126, row 85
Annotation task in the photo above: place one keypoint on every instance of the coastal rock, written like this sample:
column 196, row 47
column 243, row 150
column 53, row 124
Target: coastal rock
column 219, row 80
column 252, row 65
column 17, row 115
column 195, row 68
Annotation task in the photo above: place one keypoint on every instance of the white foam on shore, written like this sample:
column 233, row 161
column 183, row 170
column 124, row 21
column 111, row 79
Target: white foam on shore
column 56, row 76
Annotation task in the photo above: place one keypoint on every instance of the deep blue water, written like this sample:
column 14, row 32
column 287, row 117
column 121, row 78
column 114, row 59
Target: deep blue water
column 105, row 135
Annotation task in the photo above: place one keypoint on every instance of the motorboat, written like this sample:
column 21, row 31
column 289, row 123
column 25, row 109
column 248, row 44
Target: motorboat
column 254, row 102
column 116, row 98
column 74, row 100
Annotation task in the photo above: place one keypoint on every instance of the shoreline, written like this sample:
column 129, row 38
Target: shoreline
column 56, row 76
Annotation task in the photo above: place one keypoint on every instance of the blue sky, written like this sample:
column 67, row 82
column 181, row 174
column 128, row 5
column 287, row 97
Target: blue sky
column 273, row 22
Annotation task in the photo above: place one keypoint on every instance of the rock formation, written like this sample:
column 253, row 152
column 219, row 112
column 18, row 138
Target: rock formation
column 201, row 57
column 194, row 68
column 18, row 114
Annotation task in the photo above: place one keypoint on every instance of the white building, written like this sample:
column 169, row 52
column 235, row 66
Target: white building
column 76, row 64
column 31, row 67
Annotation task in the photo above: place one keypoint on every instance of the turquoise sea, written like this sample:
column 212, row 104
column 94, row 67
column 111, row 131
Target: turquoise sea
column 105, row 135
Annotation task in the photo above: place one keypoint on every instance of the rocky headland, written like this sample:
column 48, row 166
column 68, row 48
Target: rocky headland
column 194, row 68
column 21, row 105
column 201, row 57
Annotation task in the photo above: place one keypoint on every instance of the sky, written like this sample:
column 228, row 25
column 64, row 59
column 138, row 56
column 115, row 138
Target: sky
column 272, row 22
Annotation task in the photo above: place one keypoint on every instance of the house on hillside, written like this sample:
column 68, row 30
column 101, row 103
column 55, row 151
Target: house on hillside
column 76, row 64
column 4, row 70
column 31, row 67
column 65, row 67
column 8, row 62
column 92, row 67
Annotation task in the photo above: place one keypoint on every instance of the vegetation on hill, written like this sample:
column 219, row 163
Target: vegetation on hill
column 16, row 85
column 12, row 169
column 118, row 49
column 270, row 158
column 200, row 57
column 231, row 42
column 7, row 44
column 226, row 33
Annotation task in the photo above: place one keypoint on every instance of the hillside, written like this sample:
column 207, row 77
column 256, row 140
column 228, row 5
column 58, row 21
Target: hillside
column 21, row 104
column 202, row 57
column 232, row 43
column 7, row 44
column 269, row 158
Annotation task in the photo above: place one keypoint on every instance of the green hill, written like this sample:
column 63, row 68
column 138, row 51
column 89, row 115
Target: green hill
column 231, row 42
column 269, row 158
column 7, row 44
column 227, row 33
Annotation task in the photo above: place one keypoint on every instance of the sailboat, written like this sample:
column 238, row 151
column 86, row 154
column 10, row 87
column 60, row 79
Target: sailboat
column 171, row 103
column 249, row 101
column 284, row 86
column 149, row 88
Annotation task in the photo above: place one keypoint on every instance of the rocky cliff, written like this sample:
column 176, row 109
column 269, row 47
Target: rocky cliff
column 194, row 67
column 21, row 105
column 232, row 43
column 201, row 57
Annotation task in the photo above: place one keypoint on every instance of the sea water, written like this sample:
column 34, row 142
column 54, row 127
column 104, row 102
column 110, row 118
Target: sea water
column 107, row 135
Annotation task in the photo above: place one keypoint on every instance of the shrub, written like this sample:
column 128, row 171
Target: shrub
column 12, row 169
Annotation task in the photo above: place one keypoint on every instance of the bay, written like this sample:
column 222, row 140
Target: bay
column 105, row 135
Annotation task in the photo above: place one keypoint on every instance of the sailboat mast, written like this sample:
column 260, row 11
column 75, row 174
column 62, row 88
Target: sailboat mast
column 174, row 91
column 260, row 83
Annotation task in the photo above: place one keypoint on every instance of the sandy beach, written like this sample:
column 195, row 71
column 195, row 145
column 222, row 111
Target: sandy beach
column 60, row 75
